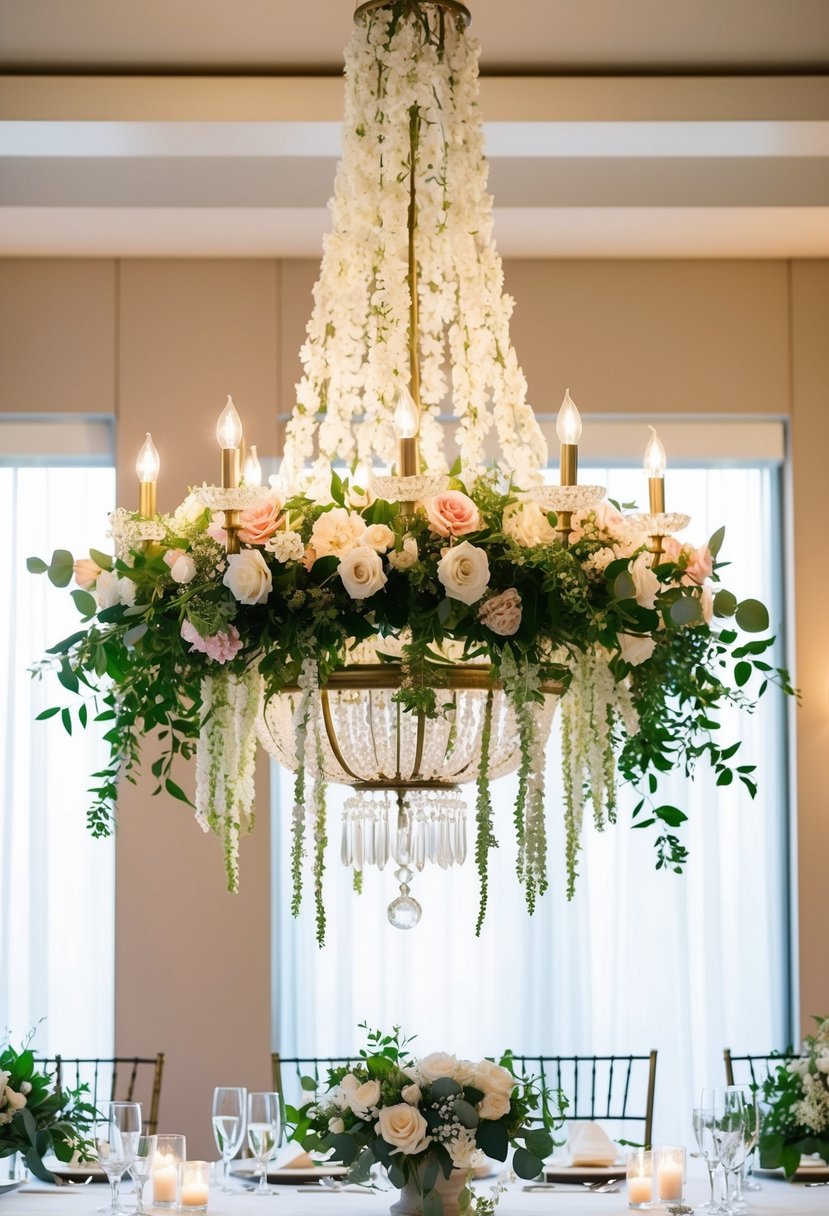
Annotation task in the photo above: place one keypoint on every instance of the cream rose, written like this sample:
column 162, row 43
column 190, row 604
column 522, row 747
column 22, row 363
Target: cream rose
column 452, row 514
column 86, row 571
column 438, row 1064
column 494, row 1106
column 364, row 1098
column 635, row 650
column 336, row 531
column 502, row 613
column 336, row 1125
column 527, row 524
column 493, row 1079
column 349, row 1083
column 405, row 558
column 645, row 582
column 182, row 566
column 379, row 537
column 464, row 572
column 361, row 571
column 411, row 1094
column 404, row 1128
column 111, row 590
column 14, row 1100
column 248, row 577
column 258, row 523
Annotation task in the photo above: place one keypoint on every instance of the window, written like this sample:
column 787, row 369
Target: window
column 639, row 959
column 57, row 483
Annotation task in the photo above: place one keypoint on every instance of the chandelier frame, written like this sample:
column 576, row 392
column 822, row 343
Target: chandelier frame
column 451, row 6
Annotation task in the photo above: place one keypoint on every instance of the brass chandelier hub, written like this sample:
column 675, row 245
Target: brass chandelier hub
column 448, row 6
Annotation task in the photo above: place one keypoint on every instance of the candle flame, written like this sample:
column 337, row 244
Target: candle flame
column 406, row 414
column 655, row 459
column 148, row 463
column 568, row 422
column 252, row 469
column 229, row 427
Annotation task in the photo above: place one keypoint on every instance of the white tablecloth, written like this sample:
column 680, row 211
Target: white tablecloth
column 777, row 1198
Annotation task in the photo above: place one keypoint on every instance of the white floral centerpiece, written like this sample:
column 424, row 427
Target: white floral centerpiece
column 796, row 1094
column 428, row 1121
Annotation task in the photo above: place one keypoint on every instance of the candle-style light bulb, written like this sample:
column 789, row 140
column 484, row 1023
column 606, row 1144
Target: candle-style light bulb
column 655, row 462
column 406, row 414
column 568, row 422
column 252, row 469
column 229, row 427
column 147, row 466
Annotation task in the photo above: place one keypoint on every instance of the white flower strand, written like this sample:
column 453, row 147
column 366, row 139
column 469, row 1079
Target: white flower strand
column 356, row 352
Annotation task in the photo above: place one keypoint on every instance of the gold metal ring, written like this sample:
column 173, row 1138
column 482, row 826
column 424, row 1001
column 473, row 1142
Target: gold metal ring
column 365, row 677
column 451, row 6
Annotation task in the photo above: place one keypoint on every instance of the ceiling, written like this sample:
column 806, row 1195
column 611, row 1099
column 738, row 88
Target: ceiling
column 649, row 128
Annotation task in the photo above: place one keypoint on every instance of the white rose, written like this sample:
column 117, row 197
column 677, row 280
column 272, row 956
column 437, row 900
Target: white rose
column 336, row 1125
column 405, row 558
column 411, row 1094
column 361, row 571
column 336, row 531
column 187, row 513
column 379, row 537
column 404, row 1128
column 438, row 1064
column 364, row 1097
column 107, row 591
column 527, row 524
column 14, row 1100
column 645, row 582
column 494, row 1106
column 183, row 569
column 635, row 650
column 349, row 1083
column 126, row 591
column 493, row 1079
column 26, row 1087
column 464, row 572
column 248, row 577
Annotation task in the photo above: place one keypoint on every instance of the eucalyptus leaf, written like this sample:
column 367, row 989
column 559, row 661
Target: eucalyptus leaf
column 752, row 616
column 686, row 610
column 61, row 568
column 36, row 565
column 526, row 1165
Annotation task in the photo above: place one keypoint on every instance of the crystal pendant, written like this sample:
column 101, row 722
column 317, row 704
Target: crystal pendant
column 404, row 912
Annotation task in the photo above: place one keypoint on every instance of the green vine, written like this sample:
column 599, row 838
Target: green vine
column 320, row 842
column 485, row 836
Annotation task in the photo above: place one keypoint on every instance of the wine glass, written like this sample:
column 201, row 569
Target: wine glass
column 228, row 1125
column 739, row 1129
column 705, row 1122
column 142, row 1163
column 117, row 1132
column 263, row 1133
column 751, row 1111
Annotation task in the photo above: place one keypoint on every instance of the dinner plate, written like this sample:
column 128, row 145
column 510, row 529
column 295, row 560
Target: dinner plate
column 79, row 1173
column 558, row 1172
column 291, row 1176
column 807, row 1171
column 5, row 1187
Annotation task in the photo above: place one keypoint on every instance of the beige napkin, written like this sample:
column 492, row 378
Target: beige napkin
column 291, row 1157
column 589, row 1145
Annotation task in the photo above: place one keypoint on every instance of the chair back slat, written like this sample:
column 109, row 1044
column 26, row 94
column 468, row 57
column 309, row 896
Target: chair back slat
column 754, row 1069
column 105, row 1078
column 287, row 1073
column 619, row 1089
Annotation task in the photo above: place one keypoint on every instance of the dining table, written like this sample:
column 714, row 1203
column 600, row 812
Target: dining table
column 775, row 1198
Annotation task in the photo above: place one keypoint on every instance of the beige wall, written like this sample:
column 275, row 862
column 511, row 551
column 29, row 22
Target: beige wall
column 160, row 343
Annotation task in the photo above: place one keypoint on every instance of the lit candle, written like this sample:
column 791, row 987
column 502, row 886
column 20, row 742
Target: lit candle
column 194, row 1195
column 147, row 466
column 655, row 462
column 252, row 469
column 669, row 1180
column 165, row 1179
column 229, row 438
column 640, row 1190
column 407, row 426
column 568, row 429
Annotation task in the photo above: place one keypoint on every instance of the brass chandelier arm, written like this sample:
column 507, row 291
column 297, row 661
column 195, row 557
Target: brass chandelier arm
column 449, row 6
column 367, row 677
column 332, row 735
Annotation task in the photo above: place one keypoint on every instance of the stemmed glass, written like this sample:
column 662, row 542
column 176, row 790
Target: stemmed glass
column 117, row 1132
column 228, row 1125
column 145, row 1151
column 734, row 1134
column 705, row 1122
column 263, row 1133
column 751, row 1107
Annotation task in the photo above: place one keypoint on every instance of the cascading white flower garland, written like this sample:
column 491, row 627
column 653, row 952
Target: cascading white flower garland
column 356, row 354
column 226, row 759
column 589, row 710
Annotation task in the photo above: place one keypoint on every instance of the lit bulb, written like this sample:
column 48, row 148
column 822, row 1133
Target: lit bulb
column 568, row 423
column 361, row 477
column 148, row 462
column 252, row 469
column 655, row 460
column 229, row 427
column 406, row 414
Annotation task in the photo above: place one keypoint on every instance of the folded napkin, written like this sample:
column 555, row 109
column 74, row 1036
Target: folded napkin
column 291, row 1157
column 589, row 1145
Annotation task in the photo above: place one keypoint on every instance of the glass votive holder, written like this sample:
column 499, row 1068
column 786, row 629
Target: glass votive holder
column 669, row 1168
column 195, row 1186
column 165, row 1174
column 640, row 1178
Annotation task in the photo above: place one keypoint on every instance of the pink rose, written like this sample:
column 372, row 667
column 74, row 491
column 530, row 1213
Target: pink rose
column 216, row 529
column 700, row 565
column 502, row 613
column 452, row 514
column 258, row 523
column 86, row 572
column 222, row 647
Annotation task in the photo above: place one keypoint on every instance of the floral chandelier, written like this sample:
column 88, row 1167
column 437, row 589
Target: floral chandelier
column 408, row 628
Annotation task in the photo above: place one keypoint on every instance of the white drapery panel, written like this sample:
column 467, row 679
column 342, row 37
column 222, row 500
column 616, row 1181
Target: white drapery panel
column 56, row 882
column 639, row 959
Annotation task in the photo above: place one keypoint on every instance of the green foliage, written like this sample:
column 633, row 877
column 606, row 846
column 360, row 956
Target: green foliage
column 794, row 1119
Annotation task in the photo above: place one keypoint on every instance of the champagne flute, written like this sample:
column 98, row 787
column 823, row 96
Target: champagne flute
column 117, row 1131
column 228, row 1125
column 145, row 1151
column 735, row 1137
column 709, row 1146
column 751, row 1109
column 263, row 1133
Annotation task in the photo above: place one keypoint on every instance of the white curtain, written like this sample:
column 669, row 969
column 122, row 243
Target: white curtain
column 639, row 959
column 56, row 882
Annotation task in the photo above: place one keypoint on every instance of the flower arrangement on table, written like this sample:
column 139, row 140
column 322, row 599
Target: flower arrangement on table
column 796, row 1122
column 181, row 638
column 420, row 1119
column 37, row 1119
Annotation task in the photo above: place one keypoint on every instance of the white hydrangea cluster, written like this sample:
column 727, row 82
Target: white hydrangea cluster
column 356, row 352
column 812, row 1111
column 129, row 531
